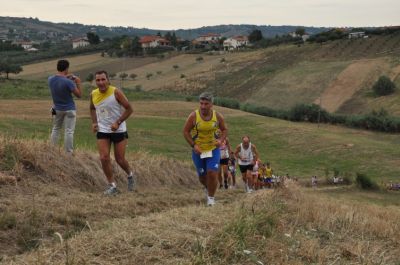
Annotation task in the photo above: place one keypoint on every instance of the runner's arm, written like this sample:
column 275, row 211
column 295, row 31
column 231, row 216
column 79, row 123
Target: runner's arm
column 189, row 124
column 222, row 127
column 255, row 151
column 237, row 150
column 121, row 98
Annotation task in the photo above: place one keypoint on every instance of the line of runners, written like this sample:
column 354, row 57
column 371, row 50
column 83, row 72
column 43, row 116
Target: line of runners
column 204, row 130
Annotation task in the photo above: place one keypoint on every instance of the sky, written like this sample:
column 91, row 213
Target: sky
column 185, row 14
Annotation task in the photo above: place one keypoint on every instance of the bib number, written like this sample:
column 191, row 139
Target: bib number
column 206, row 154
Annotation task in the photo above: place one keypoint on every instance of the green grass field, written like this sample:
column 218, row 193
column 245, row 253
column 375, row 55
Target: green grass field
column 299, row 149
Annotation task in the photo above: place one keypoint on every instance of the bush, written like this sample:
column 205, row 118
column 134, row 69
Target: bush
column 183, row 76
column 366, row 183
column 227, row 102
column 199, row 59
column 90, row 77
column 138, row 88
column 308, row 112
column 123, row 75
column 133, row 76
column 149, row 75
column 384, row 86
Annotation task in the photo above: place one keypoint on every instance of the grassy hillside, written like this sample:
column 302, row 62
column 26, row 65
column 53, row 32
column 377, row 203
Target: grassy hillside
column 340, row 72
column 295, row 148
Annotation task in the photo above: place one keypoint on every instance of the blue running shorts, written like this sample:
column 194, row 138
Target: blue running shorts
column 206, row 164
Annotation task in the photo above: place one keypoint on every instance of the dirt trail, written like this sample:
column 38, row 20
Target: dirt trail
column 348, row 82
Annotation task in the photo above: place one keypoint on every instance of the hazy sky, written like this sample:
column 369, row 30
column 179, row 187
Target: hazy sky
column 172, row 14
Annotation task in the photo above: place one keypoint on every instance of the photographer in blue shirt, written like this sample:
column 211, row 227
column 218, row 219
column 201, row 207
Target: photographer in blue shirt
column 62, row 85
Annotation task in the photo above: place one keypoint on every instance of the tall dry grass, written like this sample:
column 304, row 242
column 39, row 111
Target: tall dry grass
column 287, row 226
column 43, row 191
column 294, row 227
column 49, row 164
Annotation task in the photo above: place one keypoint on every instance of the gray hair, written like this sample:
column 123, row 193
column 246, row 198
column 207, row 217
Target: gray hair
column 207, row 96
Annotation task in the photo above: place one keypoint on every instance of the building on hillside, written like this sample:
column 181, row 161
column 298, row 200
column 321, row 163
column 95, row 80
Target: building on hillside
column 356, row 35
column 32, row 49
column 24, row 44
column 305, row 37
column 207, row 39
column 235, row 43
column 80, row 42
column 294, row 34
column 153, row 41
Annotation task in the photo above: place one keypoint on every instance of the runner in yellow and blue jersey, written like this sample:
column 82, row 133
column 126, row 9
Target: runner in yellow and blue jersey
column 200, row 132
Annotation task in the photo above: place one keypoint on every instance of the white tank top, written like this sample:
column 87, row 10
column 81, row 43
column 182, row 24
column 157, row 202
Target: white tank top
column 108, row 111
column 224, row 151
column 247, row 154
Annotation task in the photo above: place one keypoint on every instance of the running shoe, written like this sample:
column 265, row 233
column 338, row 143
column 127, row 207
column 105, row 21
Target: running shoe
column 210, row 201
column 111, row 190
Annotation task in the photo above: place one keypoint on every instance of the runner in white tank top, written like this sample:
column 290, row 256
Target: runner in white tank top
column 246, row 154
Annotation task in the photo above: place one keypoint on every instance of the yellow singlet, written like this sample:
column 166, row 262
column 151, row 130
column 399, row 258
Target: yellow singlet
column 268, row 172
column 204, row 132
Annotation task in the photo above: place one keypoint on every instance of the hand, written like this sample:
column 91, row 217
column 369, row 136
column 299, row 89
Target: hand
column 218, row 142
column 114, row 126
column 197, row 149
column 77, row 80
column 95, row 127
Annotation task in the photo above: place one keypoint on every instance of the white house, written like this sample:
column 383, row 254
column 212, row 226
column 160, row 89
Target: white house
column 80, row 42
column 356, row 35
column 153, row 42
column 24, row 44
column 235, row 42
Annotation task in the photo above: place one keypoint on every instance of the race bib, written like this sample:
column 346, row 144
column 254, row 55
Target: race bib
column 103, row 113
column 206, row 154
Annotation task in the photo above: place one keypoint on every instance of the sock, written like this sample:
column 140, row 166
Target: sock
column 113, row 184
column 130, row 175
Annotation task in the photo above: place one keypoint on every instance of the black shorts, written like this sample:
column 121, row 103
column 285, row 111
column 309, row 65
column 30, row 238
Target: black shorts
column 244, row 168
column 224, row 161
column 113, row 137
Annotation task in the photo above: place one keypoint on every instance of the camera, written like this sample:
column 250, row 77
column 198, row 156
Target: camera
column 72, row 77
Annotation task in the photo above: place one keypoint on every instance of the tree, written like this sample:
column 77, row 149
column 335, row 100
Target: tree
column 133, row 76
column 175, row 66
column 255, row 35
column 90, row 77
column 112, row 75
column 384, row 86
column 199, row 59
column 123, row 75
column 93, row 38
column 149, row 75
column 300, row 31
column 8, row 67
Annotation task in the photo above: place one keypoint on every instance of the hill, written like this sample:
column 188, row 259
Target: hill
column 55, row 215
column 337, row 74
column 35, row 29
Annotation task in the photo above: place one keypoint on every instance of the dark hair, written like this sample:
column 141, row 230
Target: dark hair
column 62, row 65
column 245, row 136
column 101, row 72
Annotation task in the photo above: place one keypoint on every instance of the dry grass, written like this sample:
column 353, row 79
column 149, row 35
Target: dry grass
column 56, row 192
column 288, row 226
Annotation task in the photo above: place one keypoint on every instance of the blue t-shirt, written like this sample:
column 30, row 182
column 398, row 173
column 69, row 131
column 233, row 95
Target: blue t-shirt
column 61, row 90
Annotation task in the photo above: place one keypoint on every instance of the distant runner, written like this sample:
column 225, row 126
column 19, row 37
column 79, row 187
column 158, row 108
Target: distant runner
column 225, row 150
column 109, row 108
column 247, row 154
column 200, row 133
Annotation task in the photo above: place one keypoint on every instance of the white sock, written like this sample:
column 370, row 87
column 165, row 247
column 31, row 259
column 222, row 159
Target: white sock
column 130, row 175
column 113, row 184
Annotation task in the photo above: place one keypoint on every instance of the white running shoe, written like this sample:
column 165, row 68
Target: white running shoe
column 210, row 201
column 250, row 191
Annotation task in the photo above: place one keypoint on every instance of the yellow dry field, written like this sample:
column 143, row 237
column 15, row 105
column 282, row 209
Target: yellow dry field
column 164, row 76
column 44, row 69
column 349, row 81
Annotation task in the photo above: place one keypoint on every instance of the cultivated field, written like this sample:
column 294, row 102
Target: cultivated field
column 339, row 74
